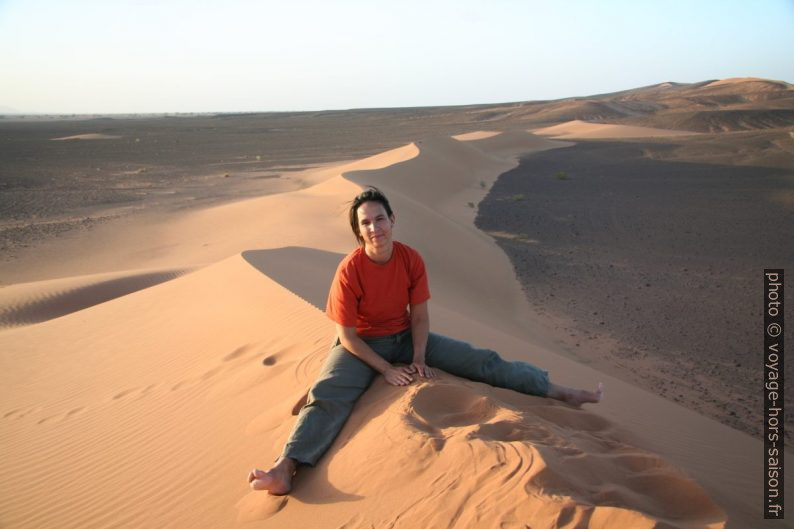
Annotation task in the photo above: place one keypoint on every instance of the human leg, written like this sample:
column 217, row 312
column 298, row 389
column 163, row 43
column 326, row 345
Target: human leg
column 330, row 401
column 484, row 365
column 342, row 380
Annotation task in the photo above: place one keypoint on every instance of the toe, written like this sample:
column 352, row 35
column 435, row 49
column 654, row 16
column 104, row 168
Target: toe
column 259, row 484
column 256, row 474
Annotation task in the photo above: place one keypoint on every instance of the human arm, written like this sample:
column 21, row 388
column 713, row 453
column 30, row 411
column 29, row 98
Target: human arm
column 397, row 376
column 420, row 330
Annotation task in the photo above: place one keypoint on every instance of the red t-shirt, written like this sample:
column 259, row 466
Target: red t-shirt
column 374, row 297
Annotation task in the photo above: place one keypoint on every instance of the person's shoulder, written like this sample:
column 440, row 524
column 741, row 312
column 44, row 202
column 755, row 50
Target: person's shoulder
column 408, row 251
column 351, row 260
column 402, row 247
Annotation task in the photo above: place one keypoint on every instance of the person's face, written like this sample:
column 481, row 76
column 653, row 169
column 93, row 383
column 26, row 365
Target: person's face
column 374, row 224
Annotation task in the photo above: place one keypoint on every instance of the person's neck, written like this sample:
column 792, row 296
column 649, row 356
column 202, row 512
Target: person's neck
column 380, row 255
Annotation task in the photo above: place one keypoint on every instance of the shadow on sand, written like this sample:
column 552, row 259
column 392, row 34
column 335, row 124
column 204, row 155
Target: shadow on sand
column 306, row 272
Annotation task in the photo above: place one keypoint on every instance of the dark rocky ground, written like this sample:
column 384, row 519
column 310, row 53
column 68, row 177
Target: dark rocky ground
column 48, row 188
column 659, row 263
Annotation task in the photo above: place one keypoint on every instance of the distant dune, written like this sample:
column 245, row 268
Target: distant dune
column 582, row 129
column 711, row 106
column 89, row 136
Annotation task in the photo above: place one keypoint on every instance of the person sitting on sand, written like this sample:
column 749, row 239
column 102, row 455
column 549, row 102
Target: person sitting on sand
column 369, row 299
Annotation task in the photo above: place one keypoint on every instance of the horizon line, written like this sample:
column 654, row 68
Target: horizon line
column 353, row 109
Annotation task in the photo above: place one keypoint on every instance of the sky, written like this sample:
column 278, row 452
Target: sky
column 125, row 56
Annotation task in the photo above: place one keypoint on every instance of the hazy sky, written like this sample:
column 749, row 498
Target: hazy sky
column 195, row 56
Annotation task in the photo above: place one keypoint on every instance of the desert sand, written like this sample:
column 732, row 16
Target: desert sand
column 578, row 129
column 147, row 366
column 150, row 408
column 89, row 136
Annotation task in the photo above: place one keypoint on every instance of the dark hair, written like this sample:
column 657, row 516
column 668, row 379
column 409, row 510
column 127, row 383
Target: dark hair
column 371, row 194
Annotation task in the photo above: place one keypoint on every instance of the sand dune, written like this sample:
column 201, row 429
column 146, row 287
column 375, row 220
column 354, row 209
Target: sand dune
column 151, row 417
column 708, row 106
column 149, row 409
column 28, row 303
column 88, row 136
column 476, row 135
column 758, row 82
column 140, row 405
column 582, row 129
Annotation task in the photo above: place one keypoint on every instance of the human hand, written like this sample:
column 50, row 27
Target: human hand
column 398, row 376
column 421, row 369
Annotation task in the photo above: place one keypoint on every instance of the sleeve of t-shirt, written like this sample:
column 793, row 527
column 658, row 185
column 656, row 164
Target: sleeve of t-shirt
column 343, row 298
column 419, row 292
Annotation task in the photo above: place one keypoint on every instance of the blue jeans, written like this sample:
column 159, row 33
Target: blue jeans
column 344, row 377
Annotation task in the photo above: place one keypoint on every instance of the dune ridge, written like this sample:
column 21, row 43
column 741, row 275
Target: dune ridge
column 582, row 129
column 88, row 136
column 28, row 303
column 156, row 403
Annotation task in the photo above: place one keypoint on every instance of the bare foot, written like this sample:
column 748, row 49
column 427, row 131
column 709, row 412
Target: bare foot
column 277, row 481
column 576, row 397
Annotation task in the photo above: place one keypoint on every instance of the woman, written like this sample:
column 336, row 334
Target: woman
column 368, row 301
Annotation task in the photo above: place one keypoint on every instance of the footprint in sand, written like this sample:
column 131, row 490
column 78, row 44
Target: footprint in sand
column 124, row 393
column 62, row 416
column 141, row 392
column 19, row 413
column 240, row 351
column 282, row 353
column 444, row 406
column 36, row 409
column 211, row 373
column 269, row 360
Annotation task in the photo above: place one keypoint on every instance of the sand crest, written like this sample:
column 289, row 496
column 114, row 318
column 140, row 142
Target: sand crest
column 476, row 135
column 89, row 136
column 583, row 129
column 28, row 303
